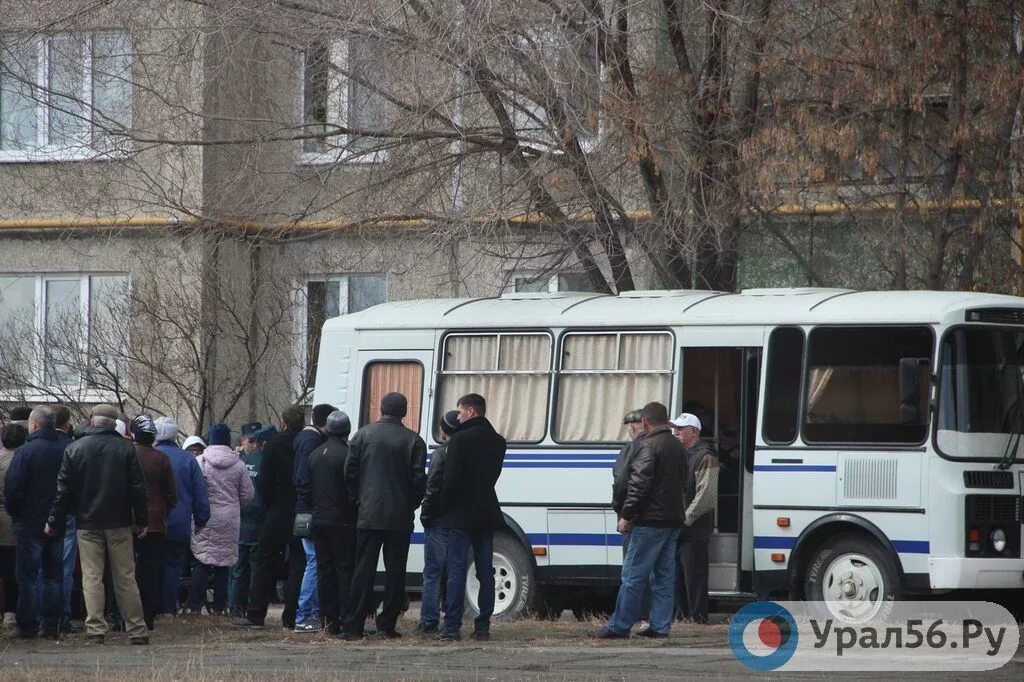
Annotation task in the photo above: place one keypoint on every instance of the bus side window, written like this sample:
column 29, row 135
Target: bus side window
column 782, row 386
column 380, row 378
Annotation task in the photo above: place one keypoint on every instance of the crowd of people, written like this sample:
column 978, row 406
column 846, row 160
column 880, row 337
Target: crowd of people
column 138, row 510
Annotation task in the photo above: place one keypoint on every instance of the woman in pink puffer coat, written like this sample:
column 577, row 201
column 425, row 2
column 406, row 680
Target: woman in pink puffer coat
column 215, row 546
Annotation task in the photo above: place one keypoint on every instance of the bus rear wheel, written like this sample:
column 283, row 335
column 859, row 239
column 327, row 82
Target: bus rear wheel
column 854, row 578
column 516, row 593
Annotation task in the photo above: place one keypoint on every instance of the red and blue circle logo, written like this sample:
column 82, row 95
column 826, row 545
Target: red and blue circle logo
column 763, row 636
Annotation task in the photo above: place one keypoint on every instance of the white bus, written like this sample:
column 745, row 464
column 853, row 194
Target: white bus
column 870, row 442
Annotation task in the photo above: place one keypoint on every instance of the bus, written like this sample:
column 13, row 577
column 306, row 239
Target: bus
column 870, row 442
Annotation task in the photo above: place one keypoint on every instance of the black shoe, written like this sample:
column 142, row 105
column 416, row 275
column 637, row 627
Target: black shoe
column 481, row 636
column 352, row 636
column 448, row 637
column 139, row 640
column 95, row 639
column 605, row 633
column 651, row 633
column 424, row 629
column 246, row 624
column 389, row 634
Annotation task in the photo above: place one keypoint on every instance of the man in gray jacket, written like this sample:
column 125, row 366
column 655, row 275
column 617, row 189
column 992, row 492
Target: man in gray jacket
column 699, row 494
column 386, row 474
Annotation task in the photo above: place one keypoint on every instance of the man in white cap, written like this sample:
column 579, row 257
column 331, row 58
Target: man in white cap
column 700, row 493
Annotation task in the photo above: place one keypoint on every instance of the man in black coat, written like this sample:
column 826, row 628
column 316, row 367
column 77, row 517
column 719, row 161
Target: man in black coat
column 334, row 520
column 471, row 513
column 277, row 493
column 385, row 474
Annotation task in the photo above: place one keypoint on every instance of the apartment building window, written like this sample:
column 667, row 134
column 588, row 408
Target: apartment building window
column 327, row 296
column 63, row 96
column 63, row 330
column 337, row 92
column 555, row 68
column 525, row 282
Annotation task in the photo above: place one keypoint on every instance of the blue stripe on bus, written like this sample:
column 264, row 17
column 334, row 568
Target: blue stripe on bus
column 799, row 467
column 558, row 465
column 572, row 456
column 564, row 539
column 773, row 542
column 910, row 546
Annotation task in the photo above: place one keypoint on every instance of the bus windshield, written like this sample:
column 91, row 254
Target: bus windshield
column 981, row 393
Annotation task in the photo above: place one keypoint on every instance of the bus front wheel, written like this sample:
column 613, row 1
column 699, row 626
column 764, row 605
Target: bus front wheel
column 854, row 577
column 516, row 593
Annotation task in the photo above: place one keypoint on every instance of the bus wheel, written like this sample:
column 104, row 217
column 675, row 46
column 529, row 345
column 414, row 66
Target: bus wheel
column 855, row 578
column 516, row 592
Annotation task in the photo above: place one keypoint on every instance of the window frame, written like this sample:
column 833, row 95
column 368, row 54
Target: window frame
column 440, row 372
column 300, row 302
column 552, row 282
column 38, row 369
column 800, row 398
column 672, row 372
column 893, row 445
column 89, row 149
column 337, row 48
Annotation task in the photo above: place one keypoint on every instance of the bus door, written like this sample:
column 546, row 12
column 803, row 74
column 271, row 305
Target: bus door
column 719, row 370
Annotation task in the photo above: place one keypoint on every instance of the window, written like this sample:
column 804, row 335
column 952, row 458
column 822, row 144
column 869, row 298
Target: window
column 383, row 377
column 852, row 392
column 605, row 375
column 324, row 297
column 61, row 330
column 511, row 371
column 555, row 68
column 63, row 96
column 525, row 282
column 335, row 93
column 782, row 387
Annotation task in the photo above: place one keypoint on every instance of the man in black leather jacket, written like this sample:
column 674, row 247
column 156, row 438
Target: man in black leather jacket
column 101, row 480
column 653, row 512
column 385, row 473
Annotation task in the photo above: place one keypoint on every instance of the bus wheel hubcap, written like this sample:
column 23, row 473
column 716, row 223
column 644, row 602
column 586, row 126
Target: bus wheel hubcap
column 853, row 587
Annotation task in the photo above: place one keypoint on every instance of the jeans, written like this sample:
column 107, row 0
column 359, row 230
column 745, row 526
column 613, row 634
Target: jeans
column 335, row 559
column 651, row 559
column 149, row 560
column 38, row 553
column 174, row 563
column 201, row 574
column 369, row 544
column 97, row 548
column 238, row 583
column 459, row 543
column 309, row 605
column 435, row 550
column 645, row 603
column 70, row 556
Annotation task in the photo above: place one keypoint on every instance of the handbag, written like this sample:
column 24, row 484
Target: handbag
column 303, row 525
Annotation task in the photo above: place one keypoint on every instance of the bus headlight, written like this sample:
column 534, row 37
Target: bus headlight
column 998, row 539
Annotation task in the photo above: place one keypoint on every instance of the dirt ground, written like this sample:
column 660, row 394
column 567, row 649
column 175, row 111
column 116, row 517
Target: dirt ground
column 206, row 648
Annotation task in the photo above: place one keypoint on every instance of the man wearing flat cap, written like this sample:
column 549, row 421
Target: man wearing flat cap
column 102, row 481
column 386, row 475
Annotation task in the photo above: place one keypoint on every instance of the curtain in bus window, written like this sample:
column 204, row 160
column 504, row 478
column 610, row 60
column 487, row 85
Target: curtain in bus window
column 514, row 382
column 382, row 378
column 591, row 405
column 819, row 377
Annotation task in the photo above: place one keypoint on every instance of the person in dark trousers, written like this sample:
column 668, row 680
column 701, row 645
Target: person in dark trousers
column 191, row 513
column 307, row 619
column 253, row 438
column 435, row 539
column 161, row 496
column 62, row 421
column 334, row 520
column 471, row 513
column 385, row 473
column 278, row 495
column 14, row 436
column 653, row 512
column 699, row 496
column 29, row 488
column 100, row 477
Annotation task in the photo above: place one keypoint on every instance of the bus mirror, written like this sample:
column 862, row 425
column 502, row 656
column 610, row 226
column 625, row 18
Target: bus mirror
column 912, row 377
